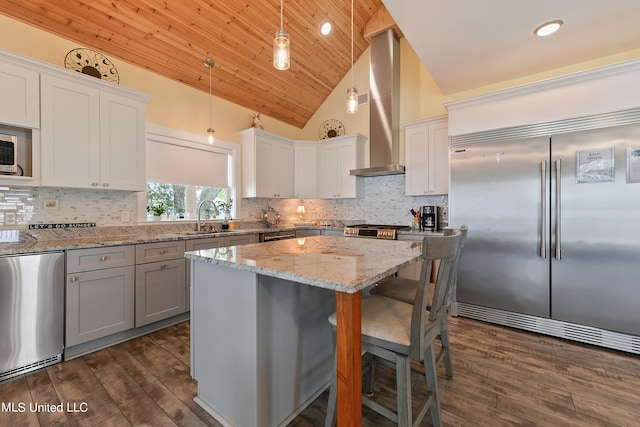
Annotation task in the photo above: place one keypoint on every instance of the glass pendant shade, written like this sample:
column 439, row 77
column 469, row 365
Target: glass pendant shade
column 210, row 131
column 352, row 100
column 281, row 57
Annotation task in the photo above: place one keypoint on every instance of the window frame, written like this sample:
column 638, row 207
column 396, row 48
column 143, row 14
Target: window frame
column 191, row 140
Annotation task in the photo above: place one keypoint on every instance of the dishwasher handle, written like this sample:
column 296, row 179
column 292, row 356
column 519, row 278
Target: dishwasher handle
column 280, row 237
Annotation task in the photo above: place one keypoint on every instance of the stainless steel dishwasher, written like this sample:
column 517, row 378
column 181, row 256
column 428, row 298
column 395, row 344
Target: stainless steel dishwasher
column 31, row 312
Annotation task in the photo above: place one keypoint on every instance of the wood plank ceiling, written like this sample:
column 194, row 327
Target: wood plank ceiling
column 172, row 38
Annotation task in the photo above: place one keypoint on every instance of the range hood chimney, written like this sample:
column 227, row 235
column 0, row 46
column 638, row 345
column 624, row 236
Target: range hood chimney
column 384, row 79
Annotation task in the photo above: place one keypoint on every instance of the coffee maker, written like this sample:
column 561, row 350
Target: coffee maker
column 428, row 218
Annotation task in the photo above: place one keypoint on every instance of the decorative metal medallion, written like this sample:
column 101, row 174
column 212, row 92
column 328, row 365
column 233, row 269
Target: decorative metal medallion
column 330, row 128
column 92, row 63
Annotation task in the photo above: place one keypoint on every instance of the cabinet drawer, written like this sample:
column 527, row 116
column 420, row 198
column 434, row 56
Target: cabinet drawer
column 160, row 251
column 208, row 243
column 79, row 260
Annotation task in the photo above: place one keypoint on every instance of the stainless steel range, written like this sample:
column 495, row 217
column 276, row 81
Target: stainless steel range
column 375, row 231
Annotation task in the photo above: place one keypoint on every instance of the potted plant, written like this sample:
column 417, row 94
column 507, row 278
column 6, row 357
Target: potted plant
column 157, row 209
column 225, row 208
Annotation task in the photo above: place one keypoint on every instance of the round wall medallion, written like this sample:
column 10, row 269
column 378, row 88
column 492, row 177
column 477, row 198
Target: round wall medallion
column 92, row 63
column 330, row 128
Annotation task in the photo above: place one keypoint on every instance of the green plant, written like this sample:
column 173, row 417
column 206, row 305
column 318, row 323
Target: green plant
column 157, row 209
column 225, row 206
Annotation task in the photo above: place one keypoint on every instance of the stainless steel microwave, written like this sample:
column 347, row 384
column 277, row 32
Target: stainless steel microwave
column 8, row 154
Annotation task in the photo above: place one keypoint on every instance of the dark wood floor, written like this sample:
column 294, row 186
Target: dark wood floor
column 501, row 377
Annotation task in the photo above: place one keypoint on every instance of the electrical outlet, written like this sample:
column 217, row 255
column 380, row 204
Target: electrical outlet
column 50, row 204
column 9, row 218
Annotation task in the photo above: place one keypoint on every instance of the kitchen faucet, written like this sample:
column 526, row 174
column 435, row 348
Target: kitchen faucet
column 215, row 209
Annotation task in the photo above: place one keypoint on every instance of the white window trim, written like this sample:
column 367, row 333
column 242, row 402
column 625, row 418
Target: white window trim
column 192, row 140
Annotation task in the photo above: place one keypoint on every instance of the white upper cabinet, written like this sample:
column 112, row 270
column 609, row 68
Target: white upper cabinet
column 305, row 170
column 335, row 159
column 92, row 136
column 267, row 165
column 427, row 157
column 273, row 166
column 122, row 142
column 20, row 89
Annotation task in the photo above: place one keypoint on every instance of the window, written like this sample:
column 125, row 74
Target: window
column 183, row 170
column 181, row 201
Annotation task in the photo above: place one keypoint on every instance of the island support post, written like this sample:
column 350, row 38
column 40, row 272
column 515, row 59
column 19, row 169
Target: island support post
column 349, row 358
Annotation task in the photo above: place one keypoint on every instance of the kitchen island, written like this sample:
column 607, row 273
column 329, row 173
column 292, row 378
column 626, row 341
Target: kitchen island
column 261, row 345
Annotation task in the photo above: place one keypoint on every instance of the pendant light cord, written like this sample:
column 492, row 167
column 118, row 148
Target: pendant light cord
column 352, row 43
column 210, row 99
column 281, row 6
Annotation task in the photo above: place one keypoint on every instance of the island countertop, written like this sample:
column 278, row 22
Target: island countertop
column 344, row 264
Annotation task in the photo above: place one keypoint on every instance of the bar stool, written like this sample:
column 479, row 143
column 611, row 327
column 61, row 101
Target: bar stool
column 397, row 332
column 404, row 289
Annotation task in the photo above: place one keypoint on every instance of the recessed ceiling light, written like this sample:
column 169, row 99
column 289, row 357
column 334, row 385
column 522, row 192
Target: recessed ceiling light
column 548, row 28
column 325, row 28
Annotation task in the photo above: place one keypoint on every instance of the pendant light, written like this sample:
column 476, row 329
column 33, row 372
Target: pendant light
column 209, row 64
column 281, row 56
column 352, row 92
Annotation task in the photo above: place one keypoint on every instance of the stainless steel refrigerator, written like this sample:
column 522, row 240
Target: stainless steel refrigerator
column 554, row 231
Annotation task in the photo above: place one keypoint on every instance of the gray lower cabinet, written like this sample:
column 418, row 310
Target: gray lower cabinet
column 242, row 239
column 331, row 232
column 99, row 293
column 160, row 281
column 307, row 233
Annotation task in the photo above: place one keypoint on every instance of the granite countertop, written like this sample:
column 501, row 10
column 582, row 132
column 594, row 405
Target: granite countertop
column 343, row 264
column 65, row 239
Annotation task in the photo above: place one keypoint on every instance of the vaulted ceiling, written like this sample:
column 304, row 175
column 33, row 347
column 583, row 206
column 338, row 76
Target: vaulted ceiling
column 463, row 44
column 173, row 38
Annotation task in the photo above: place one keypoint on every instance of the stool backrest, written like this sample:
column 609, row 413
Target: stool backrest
column 453, row 285
column 442, row 248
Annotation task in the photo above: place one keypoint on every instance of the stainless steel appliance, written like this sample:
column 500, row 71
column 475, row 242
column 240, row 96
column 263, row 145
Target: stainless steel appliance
column 554, row 236
column 428, row 218
column 276, row 235
column 374, row 231
column 31, row 312
column 8, row 154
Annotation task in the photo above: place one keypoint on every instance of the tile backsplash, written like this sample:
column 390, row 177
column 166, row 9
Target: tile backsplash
column 63, row 205
column 384, row 202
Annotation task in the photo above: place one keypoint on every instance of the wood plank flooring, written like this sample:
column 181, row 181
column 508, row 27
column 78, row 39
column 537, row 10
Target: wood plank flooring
column 502, row 377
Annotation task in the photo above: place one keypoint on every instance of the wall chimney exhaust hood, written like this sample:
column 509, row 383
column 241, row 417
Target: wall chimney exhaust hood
column 383, row 107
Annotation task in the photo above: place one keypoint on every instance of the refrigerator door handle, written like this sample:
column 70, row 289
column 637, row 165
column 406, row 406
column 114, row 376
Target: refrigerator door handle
column 558, row 210
column 543, row 213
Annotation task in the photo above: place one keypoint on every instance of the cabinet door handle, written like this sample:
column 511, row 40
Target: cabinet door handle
column 163, row 266
column 74, row 279
column 94, row 184
column 104, row 258
column 162, row 252
column 105, row 184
